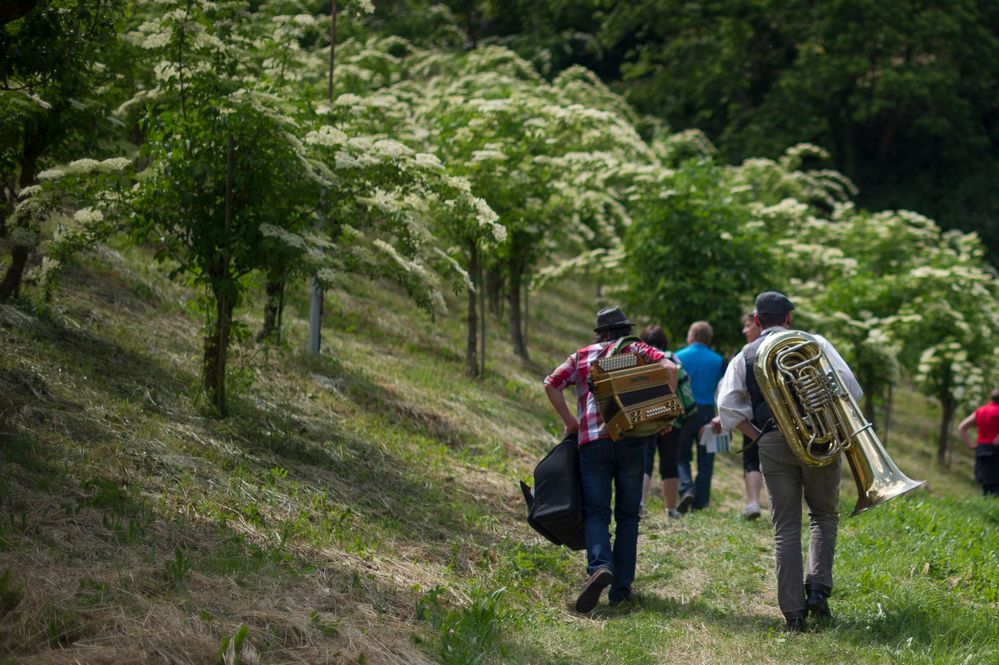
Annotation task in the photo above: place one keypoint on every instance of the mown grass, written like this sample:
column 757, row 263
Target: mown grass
column 362, row 506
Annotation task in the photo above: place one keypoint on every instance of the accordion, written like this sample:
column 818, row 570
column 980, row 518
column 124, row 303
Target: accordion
column 633, row 396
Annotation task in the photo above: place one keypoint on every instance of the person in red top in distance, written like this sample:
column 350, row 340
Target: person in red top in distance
column 986, row 420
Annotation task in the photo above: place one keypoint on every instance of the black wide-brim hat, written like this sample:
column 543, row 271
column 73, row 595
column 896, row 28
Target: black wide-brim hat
column 610, row 318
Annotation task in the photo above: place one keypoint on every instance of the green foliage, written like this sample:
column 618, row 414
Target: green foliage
column 692, row 255
column 235, row 649
column 178, row 567
column 923, row 573
column 467, row 634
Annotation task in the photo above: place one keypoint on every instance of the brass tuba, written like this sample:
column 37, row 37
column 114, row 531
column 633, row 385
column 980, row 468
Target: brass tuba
column 819, row 418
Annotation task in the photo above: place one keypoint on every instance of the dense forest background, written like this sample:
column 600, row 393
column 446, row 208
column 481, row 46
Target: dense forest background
column 904, row 94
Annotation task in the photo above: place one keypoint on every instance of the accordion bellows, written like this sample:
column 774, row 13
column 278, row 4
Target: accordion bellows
column 633, row 396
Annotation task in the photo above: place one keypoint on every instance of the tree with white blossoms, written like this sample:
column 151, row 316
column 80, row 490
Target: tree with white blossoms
column 949, row 325
column 382, row 193
column 890, row 288
column 828, row 258
column 232, row 189
column 381, row 179
column 72, row 208
column 526, row 152
column 53, row 89
column 224, row 165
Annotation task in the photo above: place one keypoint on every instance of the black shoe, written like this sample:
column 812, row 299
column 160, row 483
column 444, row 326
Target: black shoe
column 686, row 501
column 592, row 588
column 626, row 597
column 816, row 604
column 796, row 623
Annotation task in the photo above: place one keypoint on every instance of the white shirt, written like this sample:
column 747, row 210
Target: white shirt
column 734, row 403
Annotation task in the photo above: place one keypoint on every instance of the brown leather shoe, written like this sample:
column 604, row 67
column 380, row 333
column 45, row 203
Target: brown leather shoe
column 592, row 588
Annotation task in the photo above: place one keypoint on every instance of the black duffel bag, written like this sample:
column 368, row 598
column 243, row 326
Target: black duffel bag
column 555, row 507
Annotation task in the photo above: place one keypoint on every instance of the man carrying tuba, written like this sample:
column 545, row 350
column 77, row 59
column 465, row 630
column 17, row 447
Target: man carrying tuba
column 742, row 406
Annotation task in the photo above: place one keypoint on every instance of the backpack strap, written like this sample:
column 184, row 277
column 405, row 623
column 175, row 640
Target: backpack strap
column 621, row 343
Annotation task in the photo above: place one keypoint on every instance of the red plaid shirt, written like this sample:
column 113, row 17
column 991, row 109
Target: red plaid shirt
column 576, row 370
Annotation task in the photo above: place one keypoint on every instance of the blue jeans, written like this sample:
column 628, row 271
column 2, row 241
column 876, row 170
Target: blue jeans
column 601, row 462
column 701, row 487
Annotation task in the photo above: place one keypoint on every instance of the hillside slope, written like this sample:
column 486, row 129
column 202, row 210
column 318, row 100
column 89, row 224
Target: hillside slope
column 362, row 506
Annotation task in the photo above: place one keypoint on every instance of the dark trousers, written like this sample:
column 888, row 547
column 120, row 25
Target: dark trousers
column 602, row 463
column 701, row 486
column 668, row 445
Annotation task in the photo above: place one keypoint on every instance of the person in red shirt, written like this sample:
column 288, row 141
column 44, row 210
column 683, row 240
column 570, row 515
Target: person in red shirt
column 986, row 420
column 603, row 463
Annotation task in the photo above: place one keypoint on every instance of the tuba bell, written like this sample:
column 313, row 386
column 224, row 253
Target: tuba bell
column 820, row 419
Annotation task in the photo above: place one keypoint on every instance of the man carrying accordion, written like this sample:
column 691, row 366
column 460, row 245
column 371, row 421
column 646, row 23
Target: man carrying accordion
column 627, row 384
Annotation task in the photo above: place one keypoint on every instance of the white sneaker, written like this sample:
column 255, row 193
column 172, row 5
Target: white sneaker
column 673, row 512
column 751, row 512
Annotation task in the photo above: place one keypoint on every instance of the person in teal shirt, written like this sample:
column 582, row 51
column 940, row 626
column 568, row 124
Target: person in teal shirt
column 705, row 368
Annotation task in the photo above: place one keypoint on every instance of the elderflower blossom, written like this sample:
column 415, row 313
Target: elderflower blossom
column 350, row 99
column 366, row 6
column 38, row 100
column 326, row 276
column 88, row 215
column 479, row 156
column 428, row 160
column 382, row 200
column 345, row 160
column 289, row 238
column 409, row 266
column 165, row 71
column 155, row 40
column 113, row 164
column 326, row 136
column 392, row 149
column 205, row 39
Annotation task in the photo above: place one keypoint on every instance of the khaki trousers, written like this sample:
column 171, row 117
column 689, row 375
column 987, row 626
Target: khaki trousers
column 788, row 481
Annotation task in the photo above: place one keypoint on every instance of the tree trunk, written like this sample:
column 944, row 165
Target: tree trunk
column 943, row 441
column 10, row 287
column 527, row 310
column 9, row 201
column 471, row 362
column 273, row 307
column 516, row 329
column 482, row 319
column 869, row 410
column 494, row 287
column 888, row 406
column 11, row 284
column 217, row 347
column 224, row 292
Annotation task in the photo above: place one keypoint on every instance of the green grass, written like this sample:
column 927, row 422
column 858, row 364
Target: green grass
column 362, row 506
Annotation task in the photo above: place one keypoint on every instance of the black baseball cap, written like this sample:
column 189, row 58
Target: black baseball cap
column 773, row 303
